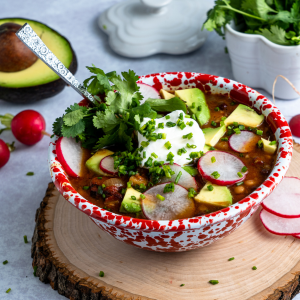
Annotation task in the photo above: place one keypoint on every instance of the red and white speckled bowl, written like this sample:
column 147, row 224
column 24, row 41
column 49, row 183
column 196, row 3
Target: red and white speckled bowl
column 187, row 234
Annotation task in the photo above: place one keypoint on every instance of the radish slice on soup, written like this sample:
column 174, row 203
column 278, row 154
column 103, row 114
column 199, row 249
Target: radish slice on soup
column 243, row 142
column 148, row 91
column 278, row 225
column 107, row 165
column 69, row 154
column 285, row 199
column 221, row 168
column 186, row 180
column 158, row 205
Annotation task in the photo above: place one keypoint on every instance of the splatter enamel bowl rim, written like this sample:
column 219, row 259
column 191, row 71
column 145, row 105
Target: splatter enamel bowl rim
column 215, row 85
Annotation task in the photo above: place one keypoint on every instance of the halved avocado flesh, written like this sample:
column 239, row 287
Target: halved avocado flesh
column 38, row 81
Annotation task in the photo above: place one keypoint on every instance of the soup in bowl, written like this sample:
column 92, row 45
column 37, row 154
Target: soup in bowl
column 201, row 170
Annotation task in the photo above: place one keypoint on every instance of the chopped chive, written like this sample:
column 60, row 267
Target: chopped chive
column 154, row 155
column 273, row 143
column 191, row 193
column 144, row 144
column 191, row 146
column 216, row 174
column 254, row 268
column 160, row 197
column 181, row 151
column 5, row 262
column 260, row 144
column 128, row 184
column 178, row 177
column 210, row 187
column 241, row 155
column 240, row 174
column 237, row 130
column 86, row 187
column 235, row 124
column 103, row 186
column 194, row 155
column 164, row 136
column 259, row 132
column 142, row 196
column 99, row 177
column 187, row 116
column 100, row 191
column 168, row 145
column 244, row 169
column 232, row 103
column 217, row 108
column 123, row 191
column 213, row 123
column 191, row 123
column 149, row 162
column 170, row 156
column 29, row 174
column 187, row 136
column 144, row 154
column 214, row 282
column 239, row 183
column 181, row 116
column 8, row 291
column 182, row 284
column 34, row 271
column 25, row 239
column 199, row 108
column 161, row 125
column 169, row 187
column 170, row 124
column 101, row 274
column 193, row 105
column 133, row 197
column 241, row 127
column 212, row 148
column 167, row 117
column 225, row 139
column 231, row 258
column 213, row 159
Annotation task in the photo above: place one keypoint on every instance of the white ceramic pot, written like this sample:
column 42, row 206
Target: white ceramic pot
column 256, row 62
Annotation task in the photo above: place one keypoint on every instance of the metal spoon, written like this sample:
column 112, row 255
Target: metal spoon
column 27, row 35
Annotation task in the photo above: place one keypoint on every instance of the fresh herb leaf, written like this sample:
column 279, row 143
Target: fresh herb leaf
column 191, row 170
column 74, row 114
column 163, row 105
column 57, row 126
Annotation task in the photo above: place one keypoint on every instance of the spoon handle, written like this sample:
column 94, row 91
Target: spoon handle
column 27, row 35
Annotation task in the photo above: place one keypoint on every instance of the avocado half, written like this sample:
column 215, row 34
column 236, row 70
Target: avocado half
column 38, row 81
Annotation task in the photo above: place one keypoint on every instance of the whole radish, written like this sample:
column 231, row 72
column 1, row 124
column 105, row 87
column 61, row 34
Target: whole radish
column 27, row 126
column 295, row 125
column 4, row 153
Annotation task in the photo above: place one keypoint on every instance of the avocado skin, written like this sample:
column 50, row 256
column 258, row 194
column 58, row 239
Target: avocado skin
column 39, row 92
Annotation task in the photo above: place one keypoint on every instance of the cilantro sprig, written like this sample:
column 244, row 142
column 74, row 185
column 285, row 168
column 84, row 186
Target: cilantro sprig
column 277, row 20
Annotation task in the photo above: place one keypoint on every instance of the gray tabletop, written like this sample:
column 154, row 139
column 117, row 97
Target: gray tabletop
column 20, row 195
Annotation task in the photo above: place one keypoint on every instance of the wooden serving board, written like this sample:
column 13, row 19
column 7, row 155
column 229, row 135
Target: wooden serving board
column 69, row 251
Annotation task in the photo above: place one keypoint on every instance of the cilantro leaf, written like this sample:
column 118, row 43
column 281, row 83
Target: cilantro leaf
column 169, row 105
column 275, row 35
column 106, row 140
column 257, row 7
column 57, row 126
column 73, row 131
column 144, row 111
column 106, row 120
column 73, row 117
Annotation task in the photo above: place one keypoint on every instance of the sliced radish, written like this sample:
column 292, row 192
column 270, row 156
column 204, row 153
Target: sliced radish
column 107, row 165
column 285, row 199
column 227, row 165
column 278, row 225
column 177, row 204
column 148, row 91
column 297, row 236
column 243, row 142
column 186, row 180
column 69, row 154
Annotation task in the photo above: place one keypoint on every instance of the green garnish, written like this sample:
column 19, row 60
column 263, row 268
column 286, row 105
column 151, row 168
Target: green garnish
column 181, row 124
column 212, row 148
column 260, row 144
column 29, row 174
column 188, row 136
column 194, row 116
column 86, row 187
column 210, row 187
column 240, row 174
column 34, row 270
column 237, row 130
column 191, row 193
column 169, row 187
column 161, row 125
column 244, row 169
column 193, row 105
column 149, row 162
column 215, row 174
column 160, row 197
column 103, row 186
column 144, row 154
column 170, row 124
column 170, row 156
column 273, row 143
column 217, row 109
column 278, row 21
column 232, row 103
column 181, row 151
column 259, row 132
column 144, row 144
column 254, row 268
column 235, row 124
column 5, row 262
column 239, row 183
column 213, row 123
column 133, row 197
column 8, row 291
column 195, row 155
column 214, row 282
column 178, row 177
column 99, row 177
column 241, row 155
column 191, row 146
column 25, row 239
column 164, row 136
column 191, row 170
column 182, row 284
column 154, row 155
column 142, row 196
column 128, row 184
column 168, row 145
column 241, row 127
column 181, row 116
column 231, row 258
column 101, row 274
column 199, row 108
column 167, row 117
column 213, row 159
column 224, row 139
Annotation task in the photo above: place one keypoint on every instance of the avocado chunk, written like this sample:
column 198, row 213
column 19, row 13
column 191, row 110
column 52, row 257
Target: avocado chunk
column 219, row 196
column 93, row 162
column 206, row 148
column 37, row 81
column 244, row 115
column 131, row 202
column 165, row 95
column 213, row 135
column 195, row 100
column 270, row 149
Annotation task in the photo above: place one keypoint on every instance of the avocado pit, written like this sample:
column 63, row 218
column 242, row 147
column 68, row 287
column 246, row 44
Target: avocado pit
column 14, row 55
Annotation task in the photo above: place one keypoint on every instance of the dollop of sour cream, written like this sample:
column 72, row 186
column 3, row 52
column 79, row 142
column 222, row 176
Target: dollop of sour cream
column 174, row 135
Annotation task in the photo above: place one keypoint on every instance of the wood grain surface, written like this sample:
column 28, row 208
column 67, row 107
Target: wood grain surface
column 69, row 251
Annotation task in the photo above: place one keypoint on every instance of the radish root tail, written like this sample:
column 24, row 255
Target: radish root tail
column 274, row 83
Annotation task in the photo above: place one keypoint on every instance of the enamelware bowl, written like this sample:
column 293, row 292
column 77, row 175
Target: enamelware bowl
column 256, row 61
column 187, row 234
